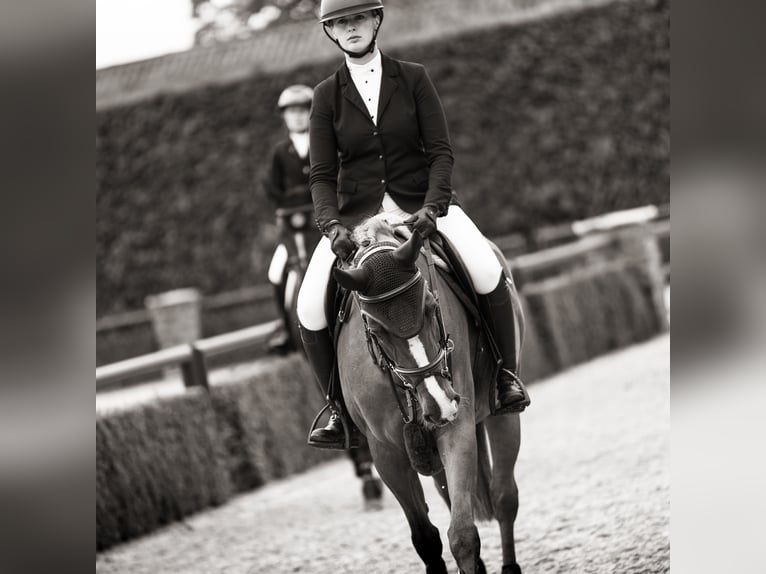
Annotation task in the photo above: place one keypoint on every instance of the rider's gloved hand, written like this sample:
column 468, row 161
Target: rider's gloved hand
column 340, row 241
column 423, row 221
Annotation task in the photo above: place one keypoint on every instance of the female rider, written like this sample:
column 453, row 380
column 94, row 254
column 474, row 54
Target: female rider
column 379, row 142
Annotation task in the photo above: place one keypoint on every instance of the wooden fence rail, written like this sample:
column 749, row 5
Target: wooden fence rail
column 191, row 357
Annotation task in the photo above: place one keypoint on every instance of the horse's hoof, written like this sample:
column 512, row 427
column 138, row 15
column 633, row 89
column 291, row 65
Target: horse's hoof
column 372, row 489
column 511, row 569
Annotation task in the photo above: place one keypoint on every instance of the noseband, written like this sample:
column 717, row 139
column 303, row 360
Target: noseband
column 439, row 365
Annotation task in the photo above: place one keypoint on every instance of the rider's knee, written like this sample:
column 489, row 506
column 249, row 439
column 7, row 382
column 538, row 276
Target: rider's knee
column 310, row 307
column 486, row 277
column 310, row 304
column 277, row 265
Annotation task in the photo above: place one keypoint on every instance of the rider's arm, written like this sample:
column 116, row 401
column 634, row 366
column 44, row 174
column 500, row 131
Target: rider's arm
column 435, row 137
column 324, row 159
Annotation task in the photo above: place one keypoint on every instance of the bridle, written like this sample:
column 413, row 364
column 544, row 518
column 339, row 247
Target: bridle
column 438, row 366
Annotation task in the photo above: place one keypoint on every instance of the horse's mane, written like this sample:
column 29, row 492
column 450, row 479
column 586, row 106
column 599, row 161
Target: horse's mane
column 385, row 227
column 379, row 227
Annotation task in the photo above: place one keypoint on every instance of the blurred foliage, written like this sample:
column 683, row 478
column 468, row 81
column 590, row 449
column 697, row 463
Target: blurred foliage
column 555, row 120
column 225, row 20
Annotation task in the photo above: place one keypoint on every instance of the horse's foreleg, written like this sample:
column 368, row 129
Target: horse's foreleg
column 504, row 439
column 440, row 481
column 457, row 446
column 394, row 468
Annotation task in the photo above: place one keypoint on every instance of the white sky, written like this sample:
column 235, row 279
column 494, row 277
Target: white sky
column 129, row 30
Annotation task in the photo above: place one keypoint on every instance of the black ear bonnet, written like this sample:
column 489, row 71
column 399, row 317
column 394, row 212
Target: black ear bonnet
column 402, row 314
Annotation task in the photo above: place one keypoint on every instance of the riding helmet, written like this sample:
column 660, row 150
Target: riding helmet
column 296, row 95
column 331, row 9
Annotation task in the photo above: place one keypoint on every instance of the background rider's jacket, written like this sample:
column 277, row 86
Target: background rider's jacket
column 354, row 162
column 287, row 182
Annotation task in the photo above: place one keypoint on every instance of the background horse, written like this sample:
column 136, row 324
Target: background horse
column 402, row 315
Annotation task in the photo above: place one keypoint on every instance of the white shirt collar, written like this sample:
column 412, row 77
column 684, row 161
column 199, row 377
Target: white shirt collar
column 374, row 65
column 300, row 143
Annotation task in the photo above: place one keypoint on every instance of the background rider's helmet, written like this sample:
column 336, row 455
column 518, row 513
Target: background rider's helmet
column 297, row 95
column 331, row 9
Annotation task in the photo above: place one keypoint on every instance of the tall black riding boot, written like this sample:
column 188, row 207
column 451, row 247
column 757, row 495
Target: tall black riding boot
column 321, row 357
column 281, row 341
column 498, row 313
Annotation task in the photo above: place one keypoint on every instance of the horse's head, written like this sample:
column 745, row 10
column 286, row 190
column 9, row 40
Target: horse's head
column 402, row 316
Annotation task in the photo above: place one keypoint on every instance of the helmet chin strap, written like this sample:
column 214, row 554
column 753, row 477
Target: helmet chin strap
column 361, row 54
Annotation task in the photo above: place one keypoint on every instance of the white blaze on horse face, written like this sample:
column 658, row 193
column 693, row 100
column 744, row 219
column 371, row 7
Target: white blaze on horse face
column 448, row 408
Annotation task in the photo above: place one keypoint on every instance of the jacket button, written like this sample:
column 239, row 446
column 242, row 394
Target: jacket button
column 382, row 181
column 375, row 133
column 380, row 157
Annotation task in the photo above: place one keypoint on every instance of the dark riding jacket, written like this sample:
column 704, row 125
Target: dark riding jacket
column 287, row 182
column 354, row 162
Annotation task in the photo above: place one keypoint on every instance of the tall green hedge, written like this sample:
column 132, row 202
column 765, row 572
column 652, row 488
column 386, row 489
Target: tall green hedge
column 551, row 121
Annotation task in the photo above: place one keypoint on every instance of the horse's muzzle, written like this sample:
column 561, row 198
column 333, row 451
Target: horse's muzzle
column 446, row 415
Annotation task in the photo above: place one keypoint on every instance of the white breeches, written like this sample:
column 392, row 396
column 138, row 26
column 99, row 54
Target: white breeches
column 277, row 266
column 483, row 267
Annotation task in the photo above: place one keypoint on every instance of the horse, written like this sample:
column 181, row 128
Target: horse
column 396, row 321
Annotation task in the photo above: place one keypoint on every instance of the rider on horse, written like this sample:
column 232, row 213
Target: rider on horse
column 379, row 143
column 287, row 184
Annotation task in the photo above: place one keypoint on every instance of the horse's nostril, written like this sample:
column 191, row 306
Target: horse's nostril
column 456, row 400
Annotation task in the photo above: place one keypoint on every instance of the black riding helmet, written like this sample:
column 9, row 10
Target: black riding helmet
column 329, row 10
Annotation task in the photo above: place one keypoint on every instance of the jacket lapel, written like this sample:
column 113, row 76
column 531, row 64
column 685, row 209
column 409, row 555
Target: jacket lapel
column 388, row 84
column 350, row 92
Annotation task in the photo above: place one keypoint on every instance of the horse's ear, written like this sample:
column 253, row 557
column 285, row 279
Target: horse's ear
column 407, row 252
column 352, row 279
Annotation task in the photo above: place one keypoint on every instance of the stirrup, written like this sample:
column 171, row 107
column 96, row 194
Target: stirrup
column 518, row 406
column 350, row 441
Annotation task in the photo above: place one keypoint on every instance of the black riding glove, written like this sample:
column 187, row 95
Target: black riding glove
column 340, row 241
column 423, row 221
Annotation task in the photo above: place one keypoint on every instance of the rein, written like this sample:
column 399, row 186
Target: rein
column 438, row 366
